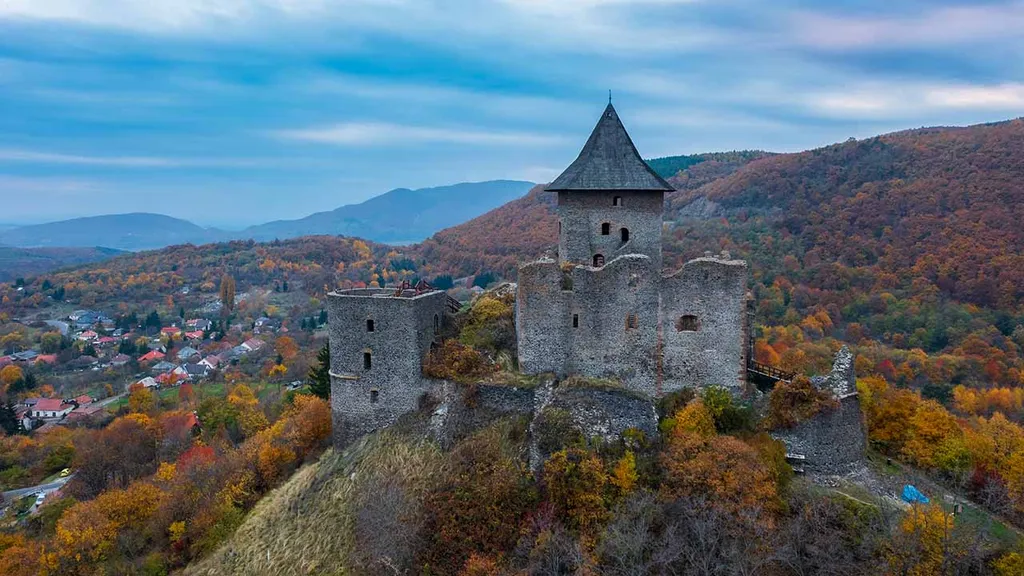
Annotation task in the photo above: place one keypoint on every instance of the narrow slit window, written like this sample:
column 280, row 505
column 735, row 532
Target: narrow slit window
column 373, row 396
column 632, row 322
column 617, row 201
column 598, row 260
column 367, row 360
column 437, row 324
column 575, row 320
column 606, row 229
column 369, row 325
column 624, row 233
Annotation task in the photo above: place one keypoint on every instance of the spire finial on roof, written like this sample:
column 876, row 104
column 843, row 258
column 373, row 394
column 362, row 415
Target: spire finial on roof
column 609, row 96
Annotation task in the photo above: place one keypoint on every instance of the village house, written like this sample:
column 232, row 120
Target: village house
column 199, row 324
column 253, row 345
column 196, row 371
column 162, row 367
column 212, row 362
column 26, row 356
column 186, row 353
column 50, row 408
column 151, row 356
column 171, row 331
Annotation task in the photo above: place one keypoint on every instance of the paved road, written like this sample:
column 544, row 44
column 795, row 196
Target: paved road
column 48, row 487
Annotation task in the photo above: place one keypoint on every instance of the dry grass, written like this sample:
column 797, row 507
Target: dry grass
column 306, row 525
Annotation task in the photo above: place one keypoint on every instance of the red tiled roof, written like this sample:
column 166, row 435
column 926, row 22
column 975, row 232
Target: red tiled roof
column 48, row 358
column 171, row 330
column 51, row 404
column 152, row 355
column 83, row 399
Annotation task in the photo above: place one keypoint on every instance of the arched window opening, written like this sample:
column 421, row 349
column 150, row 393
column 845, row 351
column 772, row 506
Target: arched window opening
column 606, row 229
column 624, row 233
column 617, row 201
column 369, row 325
column 575, row 320
column 598, row 260
column 367, row 361
column 687, row 323
column 374, row 394
column 632, row 322
column 437, row 324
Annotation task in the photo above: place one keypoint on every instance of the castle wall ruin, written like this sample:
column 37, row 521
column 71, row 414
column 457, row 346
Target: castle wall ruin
column 378, row 343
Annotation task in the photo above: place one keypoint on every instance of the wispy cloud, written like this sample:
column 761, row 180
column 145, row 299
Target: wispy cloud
column 909, row 99
column 382, row 133
column 930, row 27
column 31, row 156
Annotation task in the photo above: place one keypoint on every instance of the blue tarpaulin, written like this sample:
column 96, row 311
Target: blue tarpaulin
column 913, row 495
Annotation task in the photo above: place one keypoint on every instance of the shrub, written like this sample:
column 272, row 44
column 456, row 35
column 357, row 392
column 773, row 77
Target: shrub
column 457, row 362
column 793, row 402
column 729, row 416
column 555, row 430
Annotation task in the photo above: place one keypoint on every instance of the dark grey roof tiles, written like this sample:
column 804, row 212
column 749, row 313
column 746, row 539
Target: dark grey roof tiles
column 609, row 161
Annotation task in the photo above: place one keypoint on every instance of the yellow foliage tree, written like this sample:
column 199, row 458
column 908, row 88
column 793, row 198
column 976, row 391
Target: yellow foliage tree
column 575, row 481
column 694, row 418
column 624, row 476
column 922, row 541
column 930, row 426
column 141, row 400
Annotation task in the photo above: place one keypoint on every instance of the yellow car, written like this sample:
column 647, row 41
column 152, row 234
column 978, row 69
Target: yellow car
column 65, row 473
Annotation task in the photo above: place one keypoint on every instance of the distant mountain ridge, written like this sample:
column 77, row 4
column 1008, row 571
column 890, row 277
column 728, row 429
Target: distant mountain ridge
column 399, row 216
column 27, row 262
column 133, row 231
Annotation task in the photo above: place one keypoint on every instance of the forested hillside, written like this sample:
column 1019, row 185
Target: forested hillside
column 26, row 262
column 902, row 243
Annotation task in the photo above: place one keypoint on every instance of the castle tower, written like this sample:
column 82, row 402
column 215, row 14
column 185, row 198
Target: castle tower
column 379, row 338
column 610, row 202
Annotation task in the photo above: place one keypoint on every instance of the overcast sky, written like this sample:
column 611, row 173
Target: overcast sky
column 229, row 112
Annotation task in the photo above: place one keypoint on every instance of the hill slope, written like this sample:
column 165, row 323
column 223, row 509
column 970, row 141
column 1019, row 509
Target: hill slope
column 398, row 216
column 135, row 231
column 27, row 262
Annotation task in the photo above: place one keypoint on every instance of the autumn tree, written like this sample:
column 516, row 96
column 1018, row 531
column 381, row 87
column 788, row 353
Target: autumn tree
column 575, row 481
column 320, row 375
column 227, row 292
column 286, row 348
column 141, row 399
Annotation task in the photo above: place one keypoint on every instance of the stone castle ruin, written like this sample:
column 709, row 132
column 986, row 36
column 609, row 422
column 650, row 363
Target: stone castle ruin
column 603, row 310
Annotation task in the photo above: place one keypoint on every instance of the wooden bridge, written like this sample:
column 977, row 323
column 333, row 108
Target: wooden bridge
column 765, row 376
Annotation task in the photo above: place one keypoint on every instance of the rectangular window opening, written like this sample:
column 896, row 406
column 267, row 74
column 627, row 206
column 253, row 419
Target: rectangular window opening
column 367, row 361
column 373, row 396
column 575, row 320
column 369, row 325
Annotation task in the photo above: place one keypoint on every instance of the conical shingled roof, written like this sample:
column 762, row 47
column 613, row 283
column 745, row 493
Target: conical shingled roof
column 609, row 161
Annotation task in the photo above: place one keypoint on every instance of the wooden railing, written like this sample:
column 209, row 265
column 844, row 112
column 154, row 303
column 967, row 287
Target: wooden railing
column 770, row 371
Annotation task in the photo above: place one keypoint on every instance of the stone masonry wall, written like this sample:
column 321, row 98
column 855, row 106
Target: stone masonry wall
column 606, row 414
column 832, row 442
column 542, row 318
column 581, row 215
column 603, row 345
column 714, row 291
column 364, row 399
